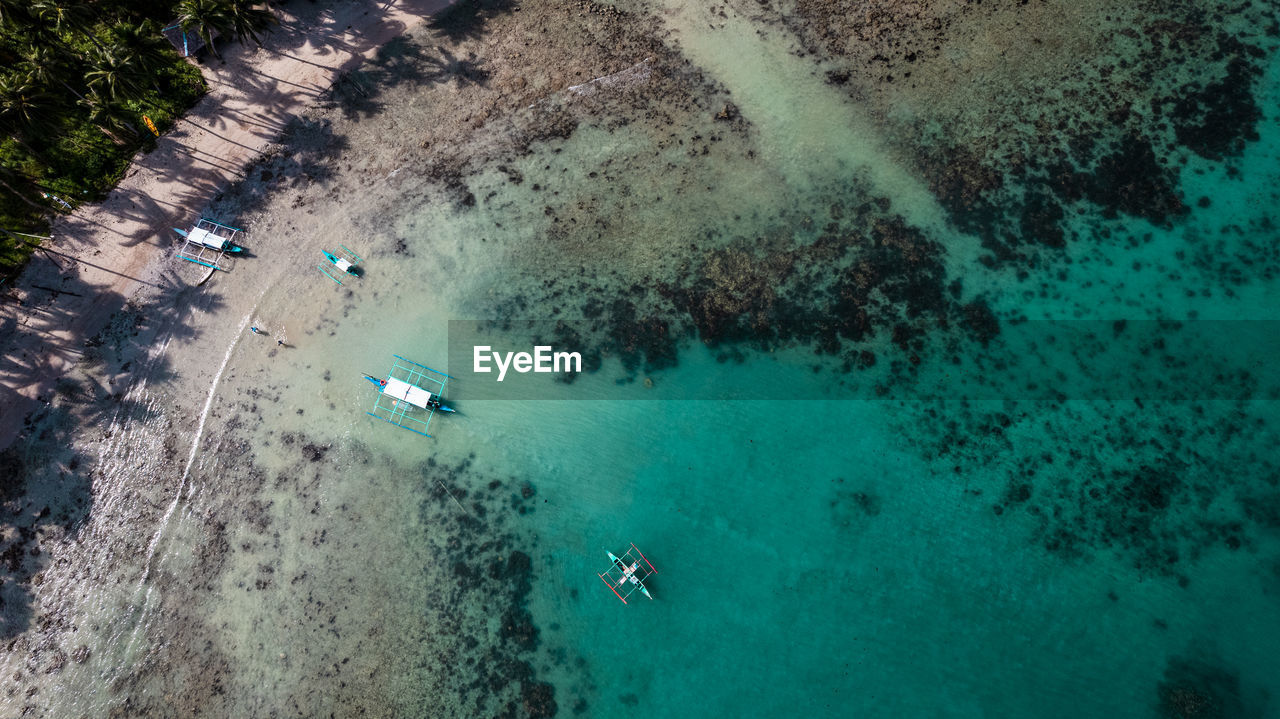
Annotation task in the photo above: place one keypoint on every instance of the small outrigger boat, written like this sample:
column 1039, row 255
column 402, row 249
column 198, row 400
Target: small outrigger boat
column 627, row 574
column 207, row 243
column 402, row 393
column 342, row 259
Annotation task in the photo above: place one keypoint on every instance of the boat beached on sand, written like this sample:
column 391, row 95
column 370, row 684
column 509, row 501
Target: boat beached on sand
column 208, row 243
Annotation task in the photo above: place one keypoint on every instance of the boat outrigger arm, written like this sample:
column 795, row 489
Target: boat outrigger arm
column 628, row 574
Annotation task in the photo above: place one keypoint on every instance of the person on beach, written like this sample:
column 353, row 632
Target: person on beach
column 254, row 330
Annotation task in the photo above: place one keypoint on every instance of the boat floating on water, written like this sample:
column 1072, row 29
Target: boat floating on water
column 343, row 260
column 410, row 395
column 627, row 574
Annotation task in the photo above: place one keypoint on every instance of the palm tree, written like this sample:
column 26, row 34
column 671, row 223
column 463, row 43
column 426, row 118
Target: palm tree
column 116, row 73
column 247, row 19
column 21, row 187
column 206, row 17
column 109, row 117
column 27, row 111
column 144, row 39
column 48, row 67
column 25, row 105
column 242, row 19
column 76, row 17
column 16, row 14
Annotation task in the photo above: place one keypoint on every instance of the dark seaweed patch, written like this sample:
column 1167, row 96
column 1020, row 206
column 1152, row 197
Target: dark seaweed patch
column 13, row 475
column 1193, row 688
column 822, row 294
column 851, row 509
column 1111, row 136
column 1114, row 478
column 1124, row 177
column 487, row 572
column 867, row 274
column 1216, row 120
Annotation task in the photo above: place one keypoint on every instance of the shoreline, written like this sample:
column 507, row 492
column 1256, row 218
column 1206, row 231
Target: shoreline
column 110, row 252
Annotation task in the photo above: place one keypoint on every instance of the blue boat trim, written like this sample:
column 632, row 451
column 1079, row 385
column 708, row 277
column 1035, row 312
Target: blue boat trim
column 341, row 261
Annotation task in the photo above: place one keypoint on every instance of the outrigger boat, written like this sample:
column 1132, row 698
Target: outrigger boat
column 342, row 259
column 628, row 574
column 404, row 391
column 208, row 243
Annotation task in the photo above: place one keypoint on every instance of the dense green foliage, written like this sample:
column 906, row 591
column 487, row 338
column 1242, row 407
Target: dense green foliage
column 77, row 78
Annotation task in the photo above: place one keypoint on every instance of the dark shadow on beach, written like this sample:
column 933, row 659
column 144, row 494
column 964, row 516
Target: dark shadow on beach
column 467, row 19
column 304, row 155
column 402, row 61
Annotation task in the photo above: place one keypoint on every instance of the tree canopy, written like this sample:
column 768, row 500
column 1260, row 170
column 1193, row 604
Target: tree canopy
column 76, row 79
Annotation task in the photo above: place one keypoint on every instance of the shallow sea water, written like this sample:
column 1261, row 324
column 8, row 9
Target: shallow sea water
column 947, row 557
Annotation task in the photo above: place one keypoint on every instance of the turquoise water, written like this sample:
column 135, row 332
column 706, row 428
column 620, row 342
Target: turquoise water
column 819, row 557
column 974, row 554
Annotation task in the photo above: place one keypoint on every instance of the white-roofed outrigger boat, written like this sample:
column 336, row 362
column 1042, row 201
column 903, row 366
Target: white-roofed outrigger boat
column 405, row 397
column 208, row 243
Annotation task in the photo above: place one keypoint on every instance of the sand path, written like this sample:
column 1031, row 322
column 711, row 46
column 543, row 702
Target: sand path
column 105, row 253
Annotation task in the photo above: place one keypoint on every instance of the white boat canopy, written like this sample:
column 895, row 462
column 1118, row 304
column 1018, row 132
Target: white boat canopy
column 204, row 237
column 402, row 390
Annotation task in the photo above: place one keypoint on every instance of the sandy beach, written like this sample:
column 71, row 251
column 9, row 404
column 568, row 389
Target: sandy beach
column 104, row 254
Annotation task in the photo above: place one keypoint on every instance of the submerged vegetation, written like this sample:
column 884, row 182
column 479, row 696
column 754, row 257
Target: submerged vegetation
column 83, row 87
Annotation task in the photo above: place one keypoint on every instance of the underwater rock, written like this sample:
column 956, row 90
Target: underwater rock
column 519, row 565
column 1195, row 689
column 468, row 576
column 1042, row 218
column 641, row 342
column 314, row 452
column 1131, row 180
column 868, row 503
column 962, row 182
column 517, row 626
column 539, row 699
column 980, row 321
column 732, row 298
column 730, row 112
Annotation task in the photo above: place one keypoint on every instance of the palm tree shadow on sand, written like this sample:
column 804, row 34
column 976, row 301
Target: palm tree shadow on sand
column 47, row 485
column 467, row 19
